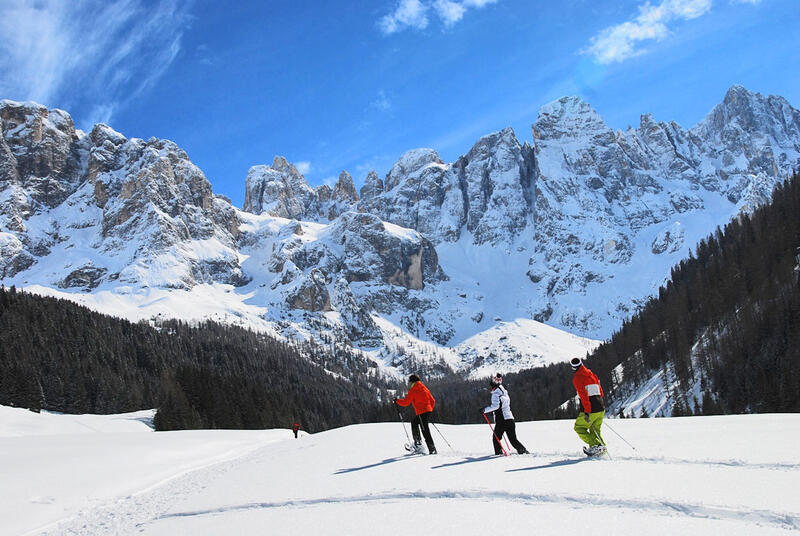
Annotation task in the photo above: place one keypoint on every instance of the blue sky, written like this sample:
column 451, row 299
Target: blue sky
column 353, row 84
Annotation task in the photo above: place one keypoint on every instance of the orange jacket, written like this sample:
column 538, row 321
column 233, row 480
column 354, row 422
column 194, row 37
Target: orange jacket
column 419, row 397
column 589, row 390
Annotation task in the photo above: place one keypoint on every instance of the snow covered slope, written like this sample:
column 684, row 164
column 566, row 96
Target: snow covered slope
column 696, row 475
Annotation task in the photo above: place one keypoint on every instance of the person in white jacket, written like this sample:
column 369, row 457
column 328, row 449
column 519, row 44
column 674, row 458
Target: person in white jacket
column 503, row 418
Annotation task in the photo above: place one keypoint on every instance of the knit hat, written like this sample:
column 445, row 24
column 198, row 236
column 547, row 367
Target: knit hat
column 576, row 363
column 413, row 378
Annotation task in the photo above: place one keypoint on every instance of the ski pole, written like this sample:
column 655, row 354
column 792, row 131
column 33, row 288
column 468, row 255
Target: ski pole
column 622, row 438
column 505, row 453
column 445, row 439
column 404, row 426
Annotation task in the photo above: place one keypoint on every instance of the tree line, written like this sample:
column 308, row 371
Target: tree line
column 728, row 320
column 60, row 356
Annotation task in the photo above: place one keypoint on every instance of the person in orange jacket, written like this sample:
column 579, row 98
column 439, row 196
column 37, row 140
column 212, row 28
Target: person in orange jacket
column 588, row 424
column 421, row 398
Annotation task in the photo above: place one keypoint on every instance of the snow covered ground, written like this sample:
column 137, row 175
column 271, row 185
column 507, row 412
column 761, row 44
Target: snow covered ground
column 90, row 475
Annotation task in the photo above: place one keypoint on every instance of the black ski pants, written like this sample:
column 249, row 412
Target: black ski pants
column 506, row 426
column 421, row 421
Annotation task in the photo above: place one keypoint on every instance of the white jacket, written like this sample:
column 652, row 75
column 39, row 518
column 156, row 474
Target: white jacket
column 500, row 400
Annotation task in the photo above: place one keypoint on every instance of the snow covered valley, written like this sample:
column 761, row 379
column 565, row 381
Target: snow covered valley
column 101, row 475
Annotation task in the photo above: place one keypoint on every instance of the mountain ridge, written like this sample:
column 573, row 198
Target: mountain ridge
column 575, row 229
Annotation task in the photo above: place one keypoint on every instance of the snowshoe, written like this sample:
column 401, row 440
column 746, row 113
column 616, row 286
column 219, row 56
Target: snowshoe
column 596, row 450
column 415, row 448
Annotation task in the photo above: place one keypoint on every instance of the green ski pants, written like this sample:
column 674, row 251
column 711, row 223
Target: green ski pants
column 589, row 432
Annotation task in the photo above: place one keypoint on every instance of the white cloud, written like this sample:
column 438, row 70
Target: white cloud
column 303, row 167
column 381, row 102
column 620, row 42
column 94, row 55
column 413, row 14
column 450, row 12
column 408, row 14
column 751, row 2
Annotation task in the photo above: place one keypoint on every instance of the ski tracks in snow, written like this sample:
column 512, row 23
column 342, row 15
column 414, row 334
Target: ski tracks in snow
column 782, row 520
column 126, row 515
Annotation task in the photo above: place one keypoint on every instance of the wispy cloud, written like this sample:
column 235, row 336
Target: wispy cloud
column 94, row 54
column 381, row 102
column 413, row 14
column 620, row 42
column 303, row 167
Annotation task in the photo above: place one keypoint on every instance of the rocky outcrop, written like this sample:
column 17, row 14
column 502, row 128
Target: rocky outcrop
column 142, row 205
column 280, row 190
column 358, row 322
column 373, row 187
column 359, row 248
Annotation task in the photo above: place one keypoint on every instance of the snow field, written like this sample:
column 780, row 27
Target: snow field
column 53, row 467
column 697, row 475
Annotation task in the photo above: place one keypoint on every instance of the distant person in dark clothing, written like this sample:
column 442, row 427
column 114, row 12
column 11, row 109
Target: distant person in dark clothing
column 503, row 418
column 421, row 398
column 295, row 429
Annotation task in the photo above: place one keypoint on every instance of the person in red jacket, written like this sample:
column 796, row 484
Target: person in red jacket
column 423, row 402
column 295, row 429
column 588, row 424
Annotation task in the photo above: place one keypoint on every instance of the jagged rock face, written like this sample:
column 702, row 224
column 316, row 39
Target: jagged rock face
column 343, row 198
column 360, row 326
column 486, row 192
column 143, row 205
column 496, row 178
column 40, row 160
column 597, row 191
column 280, row 190
column 310, row 293
column 749, row 135
column 345, row 190
column 422, row 194
column 361, row 248
column 373, row 187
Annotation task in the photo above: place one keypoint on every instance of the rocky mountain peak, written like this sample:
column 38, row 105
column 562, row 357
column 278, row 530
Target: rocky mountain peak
column 490, row 143
column 281, row 165
column 411, row 162
column 101, row 133
column 345, row 190
column 569, row 117
column 373, row 186
column 279, row 190
column 748, row 111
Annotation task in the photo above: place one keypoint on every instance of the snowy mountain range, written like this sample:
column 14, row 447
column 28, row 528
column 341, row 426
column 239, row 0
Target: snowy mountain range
column 515, row 255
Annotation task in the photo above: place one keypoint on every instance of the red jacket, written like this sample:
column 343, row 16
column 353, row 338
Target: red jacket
column 419, row 397
column 589, row 390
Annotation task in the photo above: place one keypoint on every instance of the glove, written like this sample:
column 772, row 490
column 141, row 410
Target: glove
column 586, row 417
column 482, row 412
column 394, row 400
